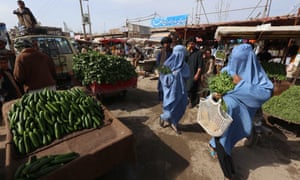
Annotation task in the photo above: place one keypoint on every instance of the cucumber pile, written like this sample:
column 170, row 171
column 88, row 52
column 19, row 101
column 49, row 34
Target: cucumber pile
column 37, row 167
column 104, row 69
column 37, row 119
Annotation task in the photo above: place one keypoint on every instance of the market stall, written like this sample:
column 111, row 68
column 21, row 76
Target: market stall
column 104, row 74
column 149, row 48
column 277, row 38
column 284, row 107
column 99, row 148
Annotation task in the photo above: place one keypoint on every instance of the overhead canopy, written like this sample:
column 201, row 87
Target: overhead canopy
column 257, row 32
column 158, row 36
column 141, row 41
column 112, row 40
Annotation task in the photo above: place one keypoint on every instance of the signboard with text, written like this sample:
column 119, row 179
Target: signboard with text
column 179, row 20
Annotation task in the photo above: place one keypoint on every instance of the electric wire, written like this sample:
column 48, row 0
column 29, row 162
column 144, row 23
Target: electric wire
column 254, row 9
column 233, row 10
column 295, row 8
column 204, row 11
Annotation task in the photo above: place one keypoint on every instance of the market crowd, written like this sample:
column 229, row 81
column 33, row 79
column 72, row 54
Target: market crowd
column 184, row 75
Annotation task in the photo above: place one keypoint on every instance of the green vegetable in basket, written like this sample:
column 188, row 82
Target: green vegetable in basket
column 221, row 83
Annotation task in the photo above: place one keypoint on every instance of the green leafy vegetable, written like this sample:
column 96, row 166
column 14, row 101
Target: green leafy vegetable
column 104, row 69
column 221, row 83
column 275, row 71
column 285, row 106
column 164, row 70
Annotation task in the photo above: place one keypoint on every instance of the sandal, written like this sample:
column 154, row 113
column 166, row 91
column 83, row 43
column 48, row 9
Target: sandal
column 175, row 129
column 164, row 123
column 212, row 152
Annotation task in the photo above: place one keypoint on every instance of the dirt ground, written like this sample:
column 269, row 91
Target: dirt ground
column 163, row 155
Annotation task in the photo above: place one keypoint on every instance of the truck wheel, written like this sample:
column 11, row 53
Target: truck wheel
column 99, row 97
column 123, row 93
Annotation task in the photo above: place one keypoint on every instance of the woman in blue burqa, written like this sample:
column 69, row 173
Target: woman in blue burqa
column 174, row 88
column 252, row 89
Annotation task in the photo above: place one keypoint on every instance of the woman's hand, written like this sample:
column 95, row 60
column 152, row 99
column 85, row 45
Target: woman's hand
column 217, row 96
column 196, row 77
column 236, row 79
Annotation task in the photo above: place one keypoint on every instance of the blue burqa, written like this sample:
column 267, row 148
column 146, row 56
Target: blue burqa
column 174, row 86
column 248, row 95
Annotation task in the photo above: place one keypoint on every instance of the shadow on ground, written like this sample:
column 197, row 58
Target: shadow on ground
column 269, row 151
column 154, row 159
column 137, row 97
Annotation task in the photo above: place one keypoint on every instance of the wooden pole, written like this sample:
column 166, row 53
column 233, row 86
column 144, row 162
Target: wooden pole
column 290, row 40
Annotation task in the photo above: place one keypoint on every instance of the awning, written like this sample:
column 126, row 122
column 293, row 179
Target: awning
column 113, row 40
column 257, row 32
column 141, row 41
column 158, row 36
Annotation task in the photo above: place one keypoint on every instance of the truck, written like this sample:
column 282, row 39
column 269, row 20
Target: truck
column 58, row 47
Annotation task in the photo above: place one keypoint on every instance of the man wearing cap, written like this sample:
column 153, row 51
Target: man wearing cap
column 25, row 16
column 33, row 69
column 165, row 52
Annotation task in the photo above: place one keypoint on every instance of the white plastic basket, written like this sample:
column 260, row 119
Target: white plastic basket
column 212, row 118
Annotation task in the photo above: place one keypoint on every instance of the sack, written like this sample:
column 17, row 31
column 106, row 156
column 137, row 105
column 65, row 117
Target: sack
column 213, row 119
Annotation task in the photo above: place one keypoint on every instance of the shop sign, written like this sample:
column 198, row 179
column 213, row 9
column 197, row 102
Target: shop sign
column 179, row 20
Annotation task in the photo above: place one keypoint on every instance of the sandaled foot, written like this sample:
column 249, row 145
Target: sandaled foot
column 167, row 124
column 161, row 122
column 175, row 129
column 212, row 152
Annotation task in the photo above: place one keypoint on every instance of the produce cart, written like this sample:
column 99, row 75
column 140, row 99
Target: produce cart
column 284, row 107
column 120, row 86
column 100, row 149
column 103, row 74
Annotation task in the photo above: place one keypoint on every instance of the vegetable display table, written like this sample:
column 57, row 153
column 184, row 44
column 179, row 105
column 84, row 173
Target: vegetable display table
column 100, row 150
column 109, row 88
column 280, row 86
column 146, row 65
column 284, row 106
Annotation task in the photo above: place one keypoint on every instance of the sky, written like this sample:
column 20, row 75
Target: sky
column 110, row 14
